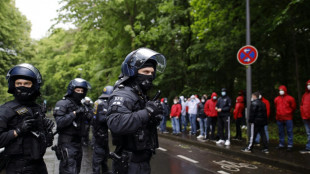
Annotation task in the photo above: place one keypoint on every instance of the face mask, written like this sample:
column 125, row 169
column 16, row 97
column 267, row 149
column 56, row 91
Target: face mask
column 260, row 97
column 252, row 99
column 281, row 92
column 175, row 102
column 202, row 100
column 308, row 87
column 25, row 94
column 78, row 96
column 223, row 93
column 145, row 81
column 214, row 97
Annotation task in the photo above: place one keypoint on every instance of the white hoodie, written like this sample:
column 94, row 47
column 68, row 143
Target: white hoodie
column 192, row 105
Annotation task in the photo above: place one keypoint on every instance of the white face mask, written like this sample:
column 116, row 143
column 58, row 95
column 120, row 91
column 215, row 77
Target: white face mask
column 175, row 102
column 252, row 99
column 281, row 92
column 214, row 97
column 308, row 87
column 202, row 100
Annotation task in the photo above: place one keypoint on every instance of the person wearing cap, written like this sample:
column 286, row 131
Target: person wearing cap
column 70, row 115
column 132, row 117
column 100, row 132
column 285, row 106
column 25, row 132
column 305, row 115
column 223, row 106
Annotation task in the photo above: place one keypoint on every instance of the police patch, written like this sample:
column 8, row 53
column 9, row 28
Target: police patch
column 118, row 101
column 21, row 111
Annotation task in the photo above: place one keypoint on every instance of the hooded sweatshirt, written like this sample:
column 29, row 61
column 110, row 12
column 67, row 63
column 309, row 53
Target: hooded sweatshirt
column 209, row 107
column 285, row 105
column 239, row 107
column 267, row 103
column 305, row 104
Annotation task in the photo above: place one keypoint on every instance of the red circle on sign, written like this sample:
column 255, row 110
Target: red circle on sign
column 247, row 55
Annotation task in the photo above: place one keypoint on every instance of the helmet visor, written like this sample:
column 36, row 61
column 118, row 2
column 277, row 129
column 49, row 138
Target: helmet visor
column 143, row 54
column 79, row 82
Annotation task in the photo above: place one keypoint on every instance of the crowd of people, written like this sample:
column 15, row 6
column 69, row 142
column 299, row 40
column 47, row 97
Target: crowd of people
column 209, row 113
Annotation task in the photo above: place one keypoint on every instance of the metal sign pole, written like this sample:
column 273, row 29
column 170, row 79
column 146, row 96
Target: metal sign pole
column 248, row 69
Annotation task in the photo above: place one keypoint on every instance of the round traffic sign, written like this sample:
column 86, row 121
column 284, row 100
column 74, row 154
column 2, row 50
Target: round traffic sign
column 247, row 55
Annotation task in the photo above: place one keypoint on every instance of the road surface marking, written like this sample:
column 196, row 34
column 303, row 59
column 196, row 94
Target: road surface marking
column 162, row 149
column 234, row 167
column 188, row 159
column 222, row 172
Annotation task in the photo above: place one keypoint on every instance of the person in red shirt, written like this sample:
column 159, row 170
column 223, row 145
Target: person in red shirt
column 211, row 113
column 305, row 115
column 285, row 106
column 175, row 115
column 238, row 112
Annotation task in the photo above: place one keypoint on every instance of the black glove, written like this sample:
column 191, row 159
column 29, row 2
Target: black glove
column 49, row 124
column 154, row 108
column 79, row 110
column 25, row 126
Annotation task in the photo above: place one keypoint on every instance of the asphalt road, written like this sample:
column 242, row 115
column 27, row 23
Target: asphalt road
column 174, row 157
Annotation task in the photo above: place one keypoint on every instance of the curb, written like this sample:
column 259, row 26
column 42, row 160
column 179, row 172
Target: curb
column 282, row 164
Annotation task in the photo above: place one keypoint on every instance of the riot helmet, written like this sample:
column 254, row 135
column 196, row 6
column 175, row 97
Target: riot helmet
column 78, row 83
column 136, row 59
column 27, row 72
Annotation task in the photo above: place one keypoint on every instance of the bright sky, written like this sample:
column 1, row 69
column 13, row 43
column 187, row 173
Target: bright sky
column 40, row 13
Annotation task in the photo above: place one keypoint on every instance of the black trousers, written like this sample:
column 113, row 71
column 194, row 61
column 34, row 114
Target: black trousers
column 100, row 158
column 238, row 128
column 71, row 165
column 211, row 123
column 224, row 124
column 26, row 166
column 254, row 130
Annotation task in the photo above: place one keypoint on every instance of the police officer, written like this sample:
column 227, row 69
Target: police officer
column 100, row 132
column 87, row 102
column 70, row 116
column 132, row 117
column 25, row 132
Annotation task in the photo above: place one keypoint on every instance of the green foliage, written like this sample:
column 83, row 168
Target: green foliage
column 199, row 38
column 15, row 43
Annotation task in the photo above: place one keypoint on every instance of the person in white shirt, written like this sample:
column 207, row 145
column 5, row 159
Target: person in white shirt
column 192, row 104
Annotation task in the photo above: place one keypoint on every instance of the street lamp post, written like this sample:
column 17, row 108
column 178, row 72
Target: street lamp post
column 248, row 69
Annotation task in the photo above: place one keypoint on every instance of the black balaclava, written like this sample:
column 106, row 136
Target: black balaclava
column 24, row 94
column 77, row 97
column 145, row 81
